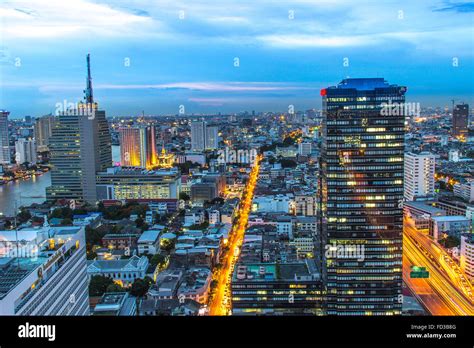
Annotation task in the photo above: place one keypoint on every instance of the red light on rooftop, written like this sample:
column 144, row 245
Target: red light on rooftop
column 323, row 92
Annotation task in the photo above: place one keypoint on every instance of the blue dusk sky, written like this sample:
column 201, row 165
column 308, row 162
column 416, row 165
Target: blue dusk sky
column 229, row 56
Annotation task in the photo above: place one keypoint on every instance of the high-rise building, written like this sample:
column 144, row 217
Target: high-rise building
column 419, row 176
column 80, row 147
column 4, row 138
column 460, row 120
column 361, row 190
column 43, row 271
column 25, row 151
column 138, row 146
column 467, row 255
column 43, row 129
column 212, row 137
column 198, row 135
column 204, row 137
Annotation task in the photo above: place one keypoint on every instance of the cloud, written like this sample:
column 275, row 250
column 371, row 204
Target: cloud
column 209, row 86
column 461, row 7
column 67, row 19
column 298, row 41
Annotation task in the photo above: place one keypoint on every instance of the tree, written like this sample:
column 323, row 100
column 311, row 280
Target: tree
column 218, row 200
column 157, row 259
column 114, row 287
column 214, row 284
column 184, row 196
column 289, row 141
column 98, row 285
column 139, row 287
column 95, row 235
column 66, row 222
column 167, row 244
column 62, row 213
column 450, row 242
column 23, row 216
column 287, row 163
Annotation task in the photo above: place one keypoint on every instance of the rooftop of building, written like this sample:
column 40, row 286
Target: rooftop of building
column 363, row 83
column 274, row 271
column 450, row 218
column 115, row 303
column 149, row 236
column 425, row 206
column 131, row 264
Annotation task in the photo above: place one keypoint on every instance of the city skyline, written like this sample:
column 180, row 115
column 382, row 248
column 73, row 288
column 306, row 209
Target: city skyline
column 293, row 161
column 158, row 57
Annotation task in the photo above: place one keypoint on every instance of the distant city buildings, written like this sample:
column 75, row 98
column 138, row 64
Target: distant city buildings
column 25, row 151
column 419, row 176
column 460, row 120
column 43, row 129
column 138, row 147
column 204, row 136
column 4, row 138
column 360, row 190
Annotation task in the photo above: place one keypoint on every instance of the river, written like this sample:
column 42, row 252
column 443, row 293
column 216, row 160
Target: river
column 27, row 192
column 23, row 192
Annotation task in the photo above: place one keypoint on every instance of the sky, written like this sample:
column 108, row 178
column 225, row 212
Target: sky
column 226, row 56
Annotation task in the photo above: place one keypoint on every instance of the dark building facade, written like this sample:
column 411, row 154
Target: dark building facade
column 361, row 190
column 460, row 120
column 276, row 289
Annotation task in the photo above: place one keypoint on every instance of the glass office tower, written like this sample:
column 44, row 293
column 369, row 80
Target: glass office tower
column 360, row 198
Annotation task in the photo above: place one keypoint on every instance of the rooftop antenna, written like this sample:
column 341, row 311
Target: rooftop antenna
column 89, row 94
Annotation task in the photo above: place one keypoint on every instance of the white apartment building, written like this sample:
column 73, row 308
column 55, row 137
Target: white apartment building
column 214, row 217
column 204, row 137
column 46, row 274
column 467, row 256
column 305, row 204
column 465, row 191
column 272, row 204
column 25, row 151
column 419, row 175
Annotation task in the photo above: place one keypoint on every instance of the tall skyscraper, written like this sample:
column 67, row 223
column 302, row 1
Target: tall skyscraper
column 460, row 120
column 4, row 138
column 80, row 147
column 138, row 146
column 361, row 190
column 212, row 137
column 203, row 136
column 43, row 129
column 25, row 151
column 419, row 175
column 198, row 135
